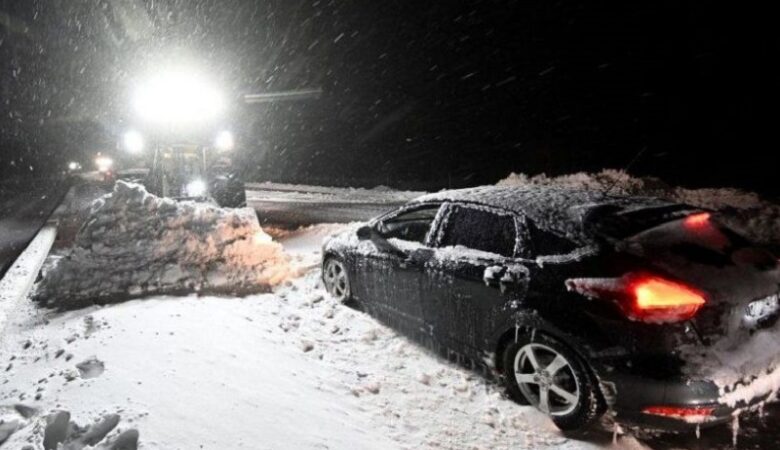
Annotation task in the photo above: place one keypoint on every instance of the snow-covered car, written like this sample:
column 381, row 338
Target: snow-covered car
column 582, row 302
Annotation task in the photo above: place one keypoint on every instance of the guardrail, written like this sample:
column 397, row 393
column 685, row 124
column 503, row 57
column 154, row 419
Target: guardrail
column 19, row 279
column 293, row 204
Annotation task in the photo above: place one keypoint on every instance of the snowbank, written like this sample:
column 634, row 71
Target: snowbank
column 744, row 211
column 135, row 244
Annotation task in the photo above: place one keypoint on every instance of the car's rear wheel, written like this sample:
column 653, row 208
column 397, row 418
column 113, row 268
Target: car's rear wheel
column 548, row 375
column 336, row 278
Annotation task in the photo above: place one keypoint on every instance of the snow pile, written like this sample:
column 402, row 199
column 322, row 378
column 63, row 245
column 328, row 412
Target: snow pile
column 135, row 244
column 744, row 211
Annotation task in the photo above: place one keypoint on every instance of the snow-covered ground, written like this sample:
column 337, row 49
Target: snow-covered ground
column 288, row 369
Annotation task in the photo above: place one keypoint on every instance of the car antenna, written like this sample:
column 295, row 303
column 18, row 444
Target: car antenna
column 628, row 166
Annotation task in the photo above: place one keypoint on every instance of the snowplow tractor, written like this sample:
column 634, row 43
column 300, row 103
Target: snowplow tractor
column 185, row 172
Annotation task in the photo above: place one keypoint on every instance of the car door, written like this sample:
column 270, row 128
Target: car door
column 474, row 276
column 391, row 276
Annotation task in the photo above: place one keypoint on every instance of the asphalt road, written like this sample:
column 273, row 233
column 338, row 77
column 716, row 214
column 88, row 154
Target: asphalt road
column 24, row 209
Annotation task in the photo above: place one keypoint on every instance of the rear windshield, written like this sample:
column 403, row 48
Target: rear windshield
column 613, row 221
column 700, row 238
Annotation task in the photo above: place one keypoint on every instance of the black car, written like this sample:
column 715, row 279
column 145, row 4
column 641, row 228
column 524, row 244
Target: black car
column 582, row 302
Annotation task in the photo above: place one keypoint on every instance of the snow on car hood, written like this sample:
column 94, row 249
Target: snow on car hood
column 135, row 244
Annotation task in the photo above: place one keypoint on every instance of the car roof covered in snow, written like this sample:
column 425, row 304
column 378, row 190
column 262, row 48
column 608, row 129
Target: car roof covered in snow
column 563, row 210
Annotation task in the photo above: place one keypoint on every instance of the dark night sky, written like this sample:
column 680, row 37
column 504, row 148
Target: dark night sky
column 415, row 94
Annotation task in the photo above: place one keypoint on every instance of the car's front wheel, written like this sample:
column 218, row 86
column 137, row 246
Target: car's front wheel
column 336, row 278
column 551, row 377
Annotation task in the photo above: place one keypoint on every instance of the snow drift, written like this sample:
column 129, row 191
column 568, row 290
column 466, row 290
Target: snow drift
column 744, row 211
column 135, row 244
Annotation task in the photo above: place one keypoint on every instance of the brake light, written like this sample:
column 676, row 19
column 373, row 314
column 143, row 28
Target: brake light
column 697, row 220
column 644, row 297
column 689, row 413
column 702, row 229
column 658, row 299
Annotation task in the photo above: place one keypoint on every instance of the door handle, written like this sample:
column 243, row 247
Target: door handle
column 408, row 262
column 499, row 278
column 492, row 279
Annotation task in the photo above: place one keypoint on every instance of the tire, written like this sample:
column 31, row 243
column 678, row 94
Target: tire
column 336, row 278
column 231, row 195
column 573, row 399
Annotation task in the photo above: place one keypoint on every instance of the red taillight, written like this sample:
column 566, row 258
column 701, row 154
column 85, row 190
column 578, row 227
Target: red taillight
column 697, row 220
column 689, row 413
column 644, row 297
column 702, row 229
column 658, row 300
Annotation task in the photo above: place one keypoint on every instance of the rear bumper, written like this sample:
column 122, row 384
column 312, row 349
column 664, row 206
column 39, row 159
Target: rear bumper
column 630, row 395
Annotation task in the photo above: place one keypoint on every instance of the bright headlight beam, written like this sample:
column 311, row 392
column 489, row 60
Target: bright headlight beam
column 177, row 97
column 196, row 188
column 224, row 141
column 103, row 163
column 133, row 142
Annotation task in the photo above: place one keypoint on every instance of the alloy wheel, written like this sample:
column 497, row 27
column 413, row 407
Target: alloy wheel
column 546, row 379
column 336, row 280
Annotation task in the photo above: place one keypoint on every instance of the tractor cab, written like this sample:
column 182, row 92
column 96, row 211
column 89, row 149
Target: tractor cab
column 190, row 171
column 179, row 171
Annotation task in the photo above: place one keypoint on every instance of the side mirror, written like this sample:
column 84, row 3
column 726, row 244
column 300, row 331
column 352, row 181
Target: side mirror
column 365, row 232
column 368, row 233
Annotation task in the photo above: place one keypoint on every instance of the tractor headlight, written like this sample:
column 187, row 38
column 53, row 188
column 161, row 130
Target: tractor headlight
column 224, row 141
column 133, row 142
column 177, row 97
column 196, row 188
column 104, row 163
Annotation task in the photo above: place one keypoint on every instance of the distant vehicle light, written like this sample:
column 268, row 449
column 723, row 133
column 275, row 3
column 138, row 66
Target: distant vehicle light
column 103, row 163
column 133, row 142
column 74, row 166
column 224, row 141
column 196, row 188
column 177, row 97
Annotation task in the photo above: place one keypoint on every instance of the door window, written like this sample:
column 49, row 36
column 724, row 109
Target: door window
column 410, row 225
column 480, row 229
